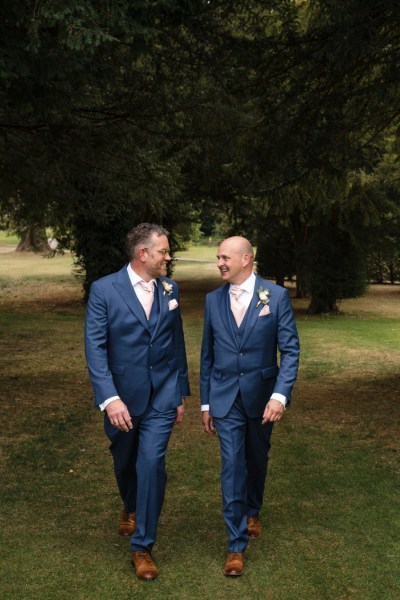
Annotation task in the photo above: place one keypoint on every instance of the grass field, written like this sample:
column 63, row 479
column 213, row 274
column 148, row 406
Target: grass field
column 331, row 516
column 7, row 239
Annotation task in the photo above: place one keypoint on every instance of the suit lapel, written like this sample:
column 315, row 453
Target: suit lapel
column 124, row 287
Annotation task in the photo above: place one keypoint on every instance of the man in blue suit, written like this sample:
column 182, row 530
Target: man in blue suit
column 136, row 356
column 243, row 390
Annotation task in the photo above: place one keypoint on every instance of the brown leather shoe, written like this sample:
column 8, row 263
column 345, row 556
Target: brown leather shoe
column 144, row 565
column 253, row 527
column 127, row 523
column 234, row 565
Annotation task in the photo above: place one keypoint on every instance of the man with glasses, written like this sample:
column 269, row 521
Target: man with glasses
column 136, row 357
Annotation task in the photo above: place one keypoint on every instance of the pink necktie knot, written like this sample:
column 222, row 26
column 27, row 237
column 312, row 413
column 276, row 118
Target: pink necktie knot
column 237, row 291
column 148, row 286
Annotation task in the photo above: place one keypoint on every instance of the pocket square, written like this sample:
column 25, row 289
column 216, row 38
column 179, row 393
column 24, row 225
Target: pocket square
column 172, row 304
column 265, row 311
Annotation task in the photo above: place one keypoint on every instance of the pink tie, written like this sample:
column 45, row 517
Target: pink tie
column 236, row 305
column 148, row 296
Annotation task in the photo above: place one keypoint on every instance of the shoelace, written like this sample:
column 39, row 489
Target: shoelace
column 144, row 556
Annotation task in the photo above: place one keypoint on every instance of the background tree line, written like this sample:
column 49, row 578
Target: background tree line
column 274, row 119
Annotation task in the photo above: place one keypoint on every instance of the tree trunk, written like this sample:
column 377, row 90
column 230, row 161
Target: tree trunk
column 34, row 240
column 318, row 307
column 391, row 273
column 301, row 289
column 300, row 234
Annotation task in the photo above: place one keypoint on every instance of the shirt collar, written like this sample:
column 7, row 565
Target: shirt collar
column 248, row 285
column 134, row 277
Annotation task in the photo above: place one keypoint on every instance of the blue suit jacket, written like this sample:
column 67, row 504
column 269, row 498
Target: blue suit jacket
column 251, row 365
column 124, row 358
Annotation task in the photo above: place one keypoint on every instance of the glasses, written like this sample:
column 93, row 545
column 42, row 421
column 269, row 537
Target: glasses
column 163, row 252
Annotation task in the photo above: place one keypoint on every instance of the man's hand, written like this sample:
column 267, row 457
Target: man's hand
column 208, row 422
column 180, row 411
column 273, row 411
column 119, row 415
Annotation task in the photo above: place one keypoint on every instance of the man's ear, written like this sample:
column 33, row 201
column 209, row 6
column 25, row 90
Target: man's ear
column 141, row 255
column 246, row 259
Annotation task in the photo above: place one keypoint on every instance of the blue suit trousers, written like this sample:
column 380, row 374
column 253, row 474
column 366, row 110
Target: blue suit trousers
column 244, row 444
column 139, row 464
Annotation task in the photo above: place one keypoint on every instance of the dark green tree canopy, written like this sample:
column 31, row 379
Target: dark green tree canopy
column 266, row 111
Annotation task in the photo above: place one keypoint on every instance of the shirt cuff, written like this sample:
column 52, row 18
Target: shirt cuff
column 280, row 397
column 103, row 405
column 205, row 407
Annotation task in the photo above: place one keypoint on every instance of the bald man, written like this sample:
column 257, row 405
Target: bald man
column 243, row 390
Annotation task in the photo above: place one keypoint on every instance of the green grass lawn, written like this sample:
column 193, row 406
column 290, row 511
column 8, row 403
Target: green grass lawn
column 199, row 253
column 331, row 514
column 7, row 238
